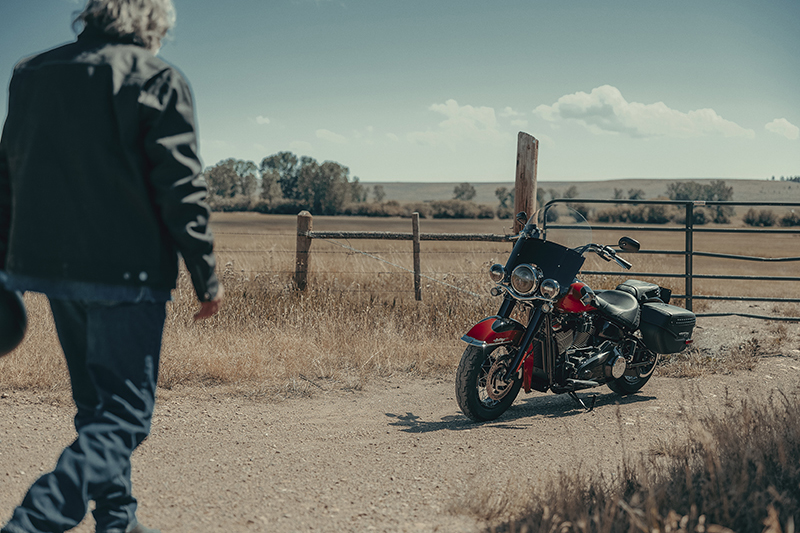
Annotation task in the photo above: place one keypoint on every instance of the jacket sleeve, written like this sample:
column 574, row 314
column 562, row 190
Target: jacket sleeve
column 5, row 202
column 170, row 143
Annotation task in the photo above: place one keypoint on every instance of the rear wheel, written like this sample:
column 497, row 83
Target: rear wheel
column 481, row 391
column 628, row 384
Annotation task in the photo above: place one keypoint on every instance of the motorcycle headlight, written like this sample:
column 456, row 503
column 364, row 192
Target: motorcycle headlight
column 550, row 288
column 497, row 272
column 525, row 279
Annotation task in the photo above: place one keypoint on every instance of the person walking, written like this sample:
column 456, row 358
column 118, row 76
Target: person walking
column 101, row 193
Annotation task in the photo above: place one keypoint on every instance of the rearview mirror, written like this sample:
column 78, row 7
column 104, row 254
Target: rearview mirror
column 626, row 244
column 522, row 217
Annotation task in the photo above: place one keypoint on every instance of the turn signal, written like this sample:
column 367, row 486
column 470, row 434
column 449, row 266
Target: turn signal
column 550, row 288
column 497, row 272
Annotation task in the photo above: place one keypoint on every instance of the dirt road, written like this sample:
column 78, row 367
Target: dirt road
column 398, row 456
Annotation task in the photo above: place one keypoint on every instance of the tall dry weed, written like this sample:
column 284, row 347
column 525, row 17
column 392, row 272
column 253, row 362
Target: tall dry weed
column 738, row 471
column 726, row 359
column 271, row 340
column 358, row 320
column 38, row 362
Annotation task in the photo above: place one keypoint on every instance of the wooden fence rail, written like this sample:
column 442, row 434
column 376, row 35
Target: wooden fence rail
column 524, row 200
column 305, row 235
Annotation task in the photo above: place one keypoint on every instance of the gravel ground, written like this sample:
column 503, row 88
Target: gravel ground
column 397, row 456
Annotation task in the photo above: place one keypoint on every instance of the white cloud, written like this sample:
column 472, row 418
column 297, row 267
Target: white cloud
column 508, row 112
column 262, row 120
column 330, row 136
column 520, row 123
column 392, row 137
column 781, row 126
column 462, row 124
column 605, row 110
column 365, row 134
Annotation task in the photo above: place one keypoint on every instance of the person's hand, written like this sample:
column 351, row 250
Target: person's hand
column 210, row 308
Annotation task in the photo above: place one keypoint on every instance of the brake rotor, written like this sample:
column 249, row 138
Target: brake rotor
column 496, row 387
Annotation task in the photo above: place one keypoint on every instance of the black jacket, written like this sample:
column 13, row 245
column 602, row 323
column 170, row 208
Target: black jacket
column 99, row 174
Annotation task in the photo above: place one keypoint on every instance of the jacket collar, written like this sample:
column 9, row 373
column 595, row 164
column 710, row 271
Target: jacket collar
column 92, row 34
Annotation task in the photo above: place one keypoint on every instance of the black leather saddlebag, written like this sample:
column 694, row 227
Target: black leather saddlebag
column 666, row 328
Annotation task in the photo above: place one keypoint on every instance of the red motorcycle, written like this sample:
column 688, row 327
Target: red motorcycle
column 573, row 338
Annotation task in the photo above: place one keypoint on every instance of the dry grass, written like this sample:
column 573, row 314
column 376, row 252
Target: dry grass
column 719, row 360
column 38, row 362
column 271, row 340
column 357, row 321
column 739, row 471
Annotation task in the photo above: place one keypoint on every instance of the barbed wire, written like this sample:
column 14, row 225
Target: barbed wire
column 254, row 234
column 404, row 268
column 460, row 252
column 371, row 272
column 260, row 234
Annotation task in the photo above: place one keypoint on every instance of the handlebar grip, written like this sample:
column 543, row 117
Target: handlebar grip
column 624, row 264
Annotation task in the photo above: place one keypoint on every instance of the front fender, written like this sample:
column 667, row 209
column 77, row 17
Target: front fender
column 494, row 331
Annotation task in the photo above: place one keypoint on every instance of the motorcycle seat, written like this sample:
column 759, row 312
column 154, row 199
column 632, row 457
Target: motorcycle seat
column 620, row 307
column 641, row 290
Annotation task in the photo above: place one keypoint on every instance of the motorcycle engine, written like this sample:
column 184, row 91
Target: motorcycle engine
column 579, row 343
column 574, row 332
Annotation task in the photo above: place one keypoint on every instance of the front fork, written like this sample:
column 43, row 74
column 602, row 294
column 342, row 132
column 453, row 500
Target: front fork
column 537, row 319
column 507, row 307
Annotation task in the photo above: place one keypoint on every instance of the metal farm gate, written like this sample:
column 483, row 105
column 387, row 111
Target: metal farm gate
column 690, row 229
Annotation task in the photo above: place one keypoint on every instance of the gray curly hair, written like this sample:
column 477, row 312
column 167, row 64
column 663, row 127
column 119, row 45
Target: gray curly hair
column 146, row 21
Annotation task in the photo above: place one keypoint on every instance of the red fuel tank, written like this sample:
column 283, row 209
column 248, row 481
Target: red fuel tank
column 571, row 302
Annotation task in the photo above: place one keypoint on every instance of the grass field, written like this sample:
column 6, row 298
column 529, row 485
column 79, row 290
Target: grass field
column 265, row 244
column 358, row 318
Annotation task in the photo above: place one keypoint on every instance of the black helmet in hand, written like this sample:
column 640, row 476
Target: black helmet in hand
column 13, row 320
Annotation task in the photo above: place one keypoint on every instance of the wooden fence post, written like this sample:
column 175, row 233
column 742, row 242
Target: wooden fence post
column 304, row 225
column 415, row 238
column 525, row 186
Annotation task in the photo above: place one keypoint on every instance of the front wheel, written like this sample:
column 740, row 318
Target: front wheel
column 481, row 391
column 628, row 384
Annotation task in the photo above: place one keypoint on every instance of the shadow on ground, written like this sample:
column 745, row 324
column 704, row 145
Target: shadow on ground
column 530, row 409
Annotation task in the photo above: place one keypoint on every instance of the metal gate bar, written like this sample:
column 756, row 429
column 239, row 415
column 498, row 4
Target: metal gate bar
column 689, row 229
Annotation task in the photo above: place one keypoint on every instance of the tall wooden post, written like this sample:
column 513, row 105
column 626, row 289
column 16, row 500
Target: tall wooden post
column 304, row 224
column 525, row 186
column 415, row 238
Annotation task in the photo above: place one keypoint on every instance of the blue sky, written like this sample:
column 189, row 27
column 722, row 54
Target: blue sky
column 436, row 90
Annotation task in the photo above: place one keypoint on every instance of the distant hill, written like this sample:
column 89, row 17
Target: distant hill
column 743, row 190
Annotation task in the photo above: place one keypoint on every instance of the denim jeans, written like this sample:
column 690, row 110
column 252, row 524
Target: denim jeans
column 112, row 350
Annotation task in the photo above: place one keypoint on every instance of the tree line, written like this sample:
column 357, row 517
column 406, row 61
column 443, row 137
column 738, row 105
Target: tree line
column 284, row 183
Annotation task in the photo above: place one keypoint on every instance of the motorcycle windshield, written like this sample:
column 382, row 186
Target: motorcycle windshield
column 564, row 230
column 563, row 225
